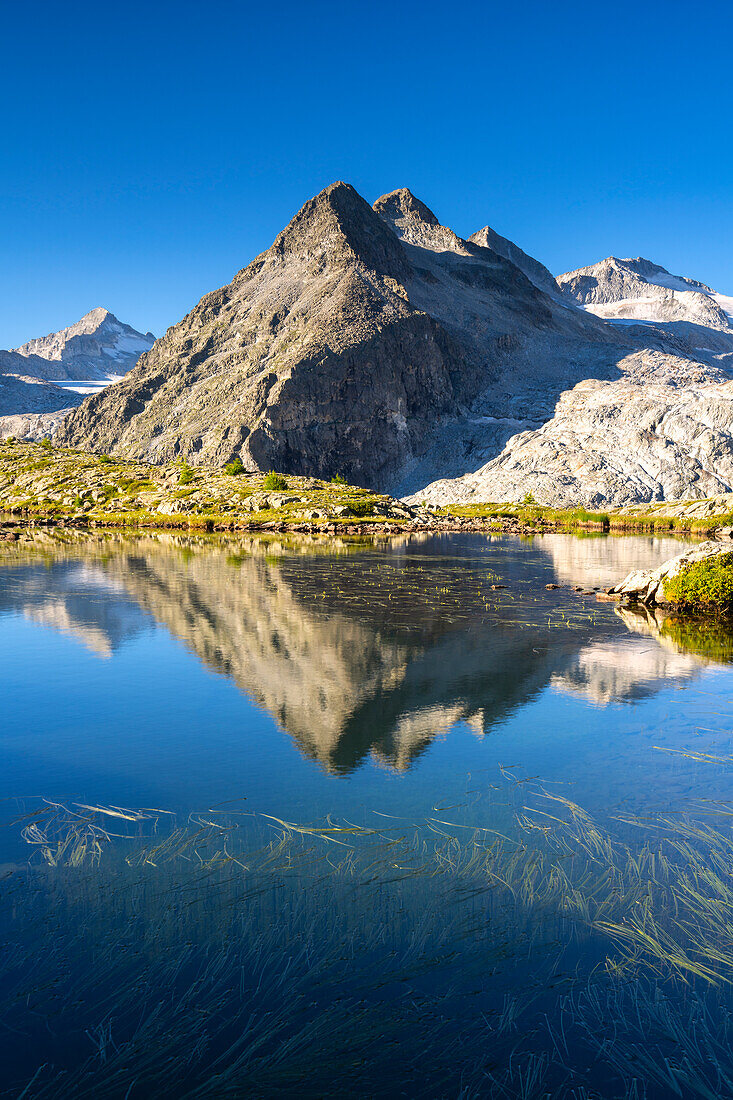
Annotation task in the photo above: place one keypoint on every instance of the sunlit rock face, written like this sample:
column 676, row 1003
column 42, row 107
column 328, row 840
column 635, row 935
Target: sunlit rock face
column 357, row 654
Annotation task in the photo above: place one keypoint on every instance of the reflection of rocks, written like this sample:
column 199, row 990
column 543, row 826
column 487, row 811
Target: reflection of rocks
column 711, row 641
column 357, row 652
column 625, row 669
column 601, row 559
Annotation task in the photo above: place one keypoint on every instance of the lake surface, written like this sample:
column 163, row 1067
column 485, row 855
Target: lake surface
column 288, row 816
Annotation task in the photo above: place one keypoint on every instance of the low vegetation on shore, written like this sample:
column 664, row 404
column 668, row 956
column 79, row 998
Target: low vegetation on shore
column 704, row 586
column 43, row 483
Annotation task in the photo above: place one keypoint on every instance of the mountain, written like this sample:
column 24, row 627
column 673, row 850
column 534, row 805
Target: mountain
column 638, row 291
column 367, row 341
column 662, row 429
column 96, row 348
column 84, row 357
column 376, row 343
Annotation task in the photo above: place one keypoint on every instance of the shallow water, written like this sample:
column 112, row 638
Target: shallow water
column 251, row 691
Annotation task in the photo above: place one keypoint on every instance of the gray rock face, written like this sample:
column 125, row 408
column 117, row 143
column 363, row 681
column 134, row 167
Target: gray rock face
column 536, row 272
column 662, row 429
column 371, row 342
column 22, row 395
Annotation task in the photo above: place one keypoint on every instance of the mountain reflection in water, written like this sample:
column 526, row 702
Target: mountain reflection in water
column 360, row 650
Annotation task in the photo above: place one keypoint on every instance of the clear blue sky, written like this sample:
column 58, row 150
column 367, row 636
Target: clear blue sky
column 150, row 150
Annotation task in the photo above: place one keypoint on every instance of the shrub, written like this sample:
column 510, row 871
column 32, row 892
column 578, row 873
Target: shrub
column 529, row 499
column 274, row 481
column 234, row 468
column 186, row 475
column 705, row 585
column 105, row 460
column 46, row 443
column 338, row 480
column 361, row 507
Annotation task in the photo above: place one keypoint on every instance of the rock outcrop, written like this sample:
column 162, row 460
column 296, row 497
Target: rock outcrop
column 662, row 429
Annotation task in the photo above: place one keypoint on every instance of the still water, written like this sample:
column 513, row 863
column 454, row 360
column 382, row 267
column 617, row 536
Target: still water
column 327, row 818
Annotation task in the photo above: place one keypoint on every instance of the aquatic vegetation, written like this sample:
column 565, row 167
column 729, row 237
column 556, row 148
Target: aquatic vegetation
column 537, row 954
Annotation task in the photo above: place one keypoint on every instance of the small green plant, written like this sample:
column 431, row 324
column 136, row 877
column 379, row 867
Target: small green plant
column 186, row 475
column 46, row 443
column 234, row 468
column 529, row 499
column 361, row 507
column 105, row 460
column 705, row 585
column 338, row 480
column 274, row 481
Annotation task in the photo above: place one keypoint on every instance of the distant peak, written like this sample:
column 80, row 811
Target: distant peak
column 402, row 204
column 97, row 316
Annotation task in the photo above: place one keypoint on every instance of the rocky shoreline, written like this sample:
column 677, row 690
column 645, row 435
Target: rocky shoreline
column 43, row 485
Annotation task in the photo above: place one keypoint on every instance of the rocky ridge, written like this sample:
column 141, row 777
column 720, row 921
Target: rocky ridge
column 376, row 343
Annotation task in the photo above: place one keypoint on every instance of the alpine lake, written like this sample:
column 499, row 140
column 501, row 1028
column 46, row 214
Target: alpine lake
column 292, row 816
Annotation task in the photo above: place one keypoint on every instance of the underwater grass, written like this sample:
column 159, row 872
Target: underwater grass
column 230, row 954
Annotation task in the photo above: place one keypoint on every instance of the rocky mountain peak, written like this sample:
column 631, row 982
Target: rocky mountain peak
column 416, row 224
column 338, row 219
column 401, row 205
column 536, row 272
